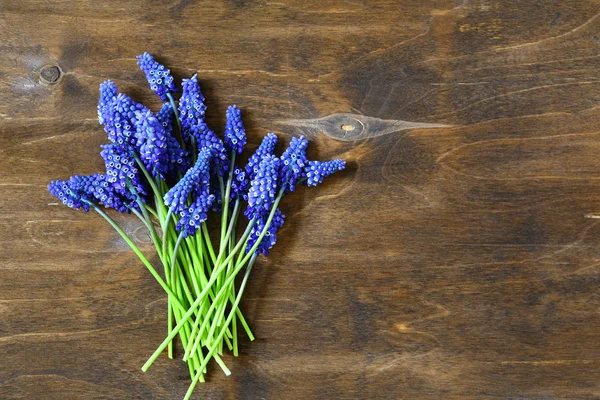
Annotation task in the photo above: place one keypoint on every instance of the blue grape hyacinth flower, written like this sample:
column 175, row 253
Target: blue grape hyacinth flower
column 75, row 192
column 267, row 147
column 239, row 184
column 235, row 133
column 178, row 158
column 121, row 168
column 293, row 161
column 152, row 143
column 206, row 138
column 119, row 120
column 108, row 96
column 270, row 238
column 316, row 171
column 192, row 183
column 195, row 185
column 263, row 188
column 159, row 77
column 165, row 117
column 191, row 106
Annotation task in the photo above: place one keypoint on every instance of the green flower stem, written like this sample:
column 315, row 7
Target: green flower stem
column 203, row 281
column 152, row 211
column 137, row 251
column 176, row 248
column 147, row 175
column 225, row 206
column 184, row 335
column 225, row 200
column 184, row 285
column 221, row 309
column 231, row 314
column 176, row 112
column 208, row 243
column 187, row 332
column 164, row 227
column 232, row 292
column 196, row 303
column 190, row 277
column 170, row 326
column 204, row 253
column 148, row 222
column 239, row 265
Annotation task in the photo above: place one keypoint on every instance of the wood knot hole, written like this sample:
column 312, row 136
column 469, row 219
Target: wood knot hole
column 50, row 74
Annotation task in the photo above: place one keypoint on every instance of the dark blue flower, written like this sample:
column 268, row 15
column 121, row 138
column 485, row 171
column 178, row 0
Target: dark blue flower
column 191, row 106
column 159, row 77
column 121, row 168
column 316, row 171
column 235, row 133
column 108, row 96
column 293, row 161
column 195, row 185
column 178, row 157
column 239, row 184
column 165, row 117
column 120, row 120
column 104, row 193
column 263, row 188
column 152, row 143
column 194, row 182
column 74, row 192
column 196, row 214
column 206, row 138
column 270, row 237
column 80, row 190
column 267, row 147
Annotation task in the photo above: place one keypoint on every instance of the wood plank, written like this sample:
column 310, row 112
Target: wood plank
column 446, row 262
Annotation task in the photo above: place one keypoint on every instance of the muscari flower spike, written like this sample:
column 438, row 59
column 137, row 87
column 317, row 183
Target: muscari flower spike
column 191, row 106
column 159, row 77
column 235, row 133
column 192, row 183
column 197, row 184
column 74, row 192
column 206, row 138
column 270, row 237
column 108, row 95
column 120, row 120
column 178, row 157
column 293, row 161
column 165, row 117
column 152, row 143
column 239, row 184
column 106, row 194
column 316, row 171
column 196, row 214
column 263, row 188
column 267, row 147
column 121, row 168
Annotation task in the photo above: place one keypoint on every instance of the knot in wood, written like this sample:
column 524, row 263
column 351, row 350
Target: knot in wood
column 50, row 74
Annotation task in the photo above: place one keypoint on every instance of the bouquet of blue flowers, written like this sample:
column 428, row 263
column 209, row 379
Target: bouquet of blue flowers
column 171, row 170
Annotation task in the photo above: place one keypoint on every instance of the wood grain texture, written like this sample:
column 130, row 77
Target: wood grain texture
column 450, row 263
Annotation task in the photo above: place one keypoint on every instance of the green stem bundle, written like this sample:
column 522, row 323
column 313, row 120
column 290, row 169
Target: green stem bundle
column 203, row 304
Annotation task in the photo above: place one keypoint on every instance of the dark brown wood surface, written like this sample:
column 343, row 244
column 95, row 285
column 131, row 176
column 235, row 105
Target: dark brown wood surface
column 448, row 261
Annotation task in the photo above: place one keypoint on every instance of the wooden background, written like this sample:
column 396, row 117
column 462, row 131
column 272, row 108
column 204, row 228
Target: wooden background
column 451, row 262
